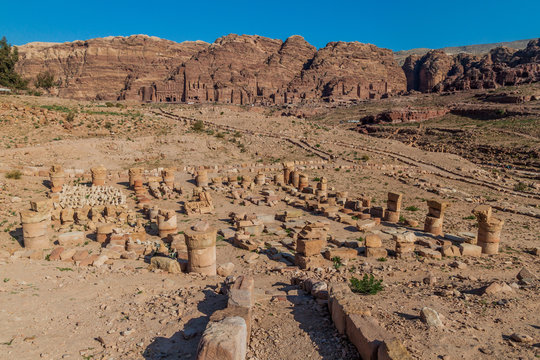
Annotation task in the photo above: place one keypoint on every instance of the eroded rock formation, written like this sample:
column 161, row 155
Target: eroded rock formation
column 238, row 69
column 438, row 71
column 105, row 68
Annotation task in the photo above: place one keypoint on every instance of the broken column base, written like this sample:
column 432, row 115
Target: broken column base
column 489, row 248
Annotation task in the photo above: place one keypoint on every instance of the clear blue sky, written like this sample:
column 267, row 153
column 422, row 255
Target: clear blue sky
column 392, row 24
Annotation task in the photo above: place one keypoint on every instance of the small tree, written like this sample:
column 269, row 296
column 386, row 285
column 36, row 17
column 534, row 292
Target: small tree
column 45, row 80
column 9, row 56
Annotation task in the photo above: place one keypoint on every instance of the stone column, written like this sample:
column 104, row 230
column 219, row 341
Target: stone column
column 202, row 178
column 489, row 230
column 167, row 223
column 99, row 174
column 57, row 178
column 201, row 245
column 393, row 207
column 295, row 179
column 435, row 217
column 104, row 232
column 341, row 197
column 322, row 184
column 279, row 179
column 134, row 175
column 246, row 181
column 232, row 180
column 168, row 177
column 260, row 179
column 303, row 182
column 35, row 226
column 288, row 168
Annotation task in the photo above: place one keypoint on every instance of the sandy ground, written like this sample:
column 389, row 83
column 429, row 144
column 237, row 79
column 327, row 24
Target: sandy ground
column 55, row 310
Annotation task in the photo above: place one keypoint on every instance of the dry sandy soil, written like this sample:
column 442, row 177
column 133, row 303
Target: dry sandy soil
column 126, row 310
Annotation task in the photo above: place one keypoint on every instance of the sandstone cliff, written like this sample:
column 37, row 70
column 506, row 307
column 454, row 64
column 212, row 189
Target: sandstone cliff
column 238, row 69
column 105, row 68
column 438, row 71
column 244, row 69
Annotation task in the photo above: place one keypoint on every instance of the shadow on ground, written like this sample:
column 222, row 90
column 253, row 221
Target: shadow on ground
column 183, row 344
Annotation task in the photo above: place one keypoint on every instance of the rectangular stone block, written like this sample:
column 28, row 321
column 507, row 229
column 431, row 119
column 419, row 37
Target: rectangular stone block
column 429, row 253
column 225, row 339
column 366, row 335
column 342, row 253
column 241, row 292
column 309, row 247
column 470, row 250
column 71, row 238
column 309, row 262
column 376, row 252
column 365, row 225
column 243, row 312
column 373, row 241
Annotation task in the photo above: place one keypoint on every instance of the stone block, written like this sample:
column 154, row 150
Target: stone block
column 376, row 252
column 224, row 340
column 470, row 250
column 373, row 241
column 71, row 238
column 241, row 292
column 366, row 334
column 67, row 254
column 309, row 262
column 165, row 263
column 393, row 349
column 309, row 247
column 243, row 312
column 342, row 253
column 450, row 250
column 365, row 225
column 430, row 253
column 80, row 255
column 55, row 254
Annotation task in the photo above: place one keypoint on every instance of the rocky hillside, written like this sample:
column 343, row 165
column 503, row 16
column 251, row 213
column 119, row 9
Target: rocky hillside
column 238, row 69
column 438, row 71
column 245, row 69
column 105, row 67
column 477, row 49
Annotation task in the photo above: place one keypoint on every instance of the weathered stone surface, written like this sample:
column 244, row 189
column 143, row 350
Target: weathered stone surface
column 224, row 340
column 438, row 71
column 165, row 263
column 241, row 292
column 470, row 250
column 239, row 69
column 105, row 68
column 225, row 269
column 366, row 334
column 431, row 317
column 393, row 349
column 71, row 238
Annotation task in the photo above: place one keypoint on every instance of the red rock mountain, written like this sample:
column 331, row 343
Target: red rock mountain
column 244, row 69
column 238, row 69
column 105, row 68
column 437, row 71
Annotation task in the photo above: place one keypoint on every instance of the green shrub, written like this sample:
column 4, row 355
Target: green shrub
column 520, row 186
column 14, row 174
column 412, row 208
column 45, row 80
column 198, row 126
column 70, row 116
column 368, row 285
column 337, row 262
